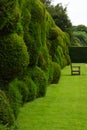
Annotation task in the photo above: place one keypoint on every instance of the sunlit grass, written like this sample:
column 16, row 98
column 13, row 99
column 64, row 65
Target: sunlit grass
column 63, row 108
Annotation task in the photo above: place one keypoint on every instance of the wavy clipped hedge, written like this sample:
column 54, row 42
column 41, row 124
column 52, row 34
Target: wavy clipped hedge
column 40, row 79
column 57, row 42
column 56, row 72
column 34, row 29
column 32, row 52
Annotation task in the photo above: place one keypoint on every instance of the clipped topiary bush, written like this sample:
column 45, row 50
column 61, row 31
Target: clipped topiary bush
column 14, row 57
column 40, row 79
column 43, row 59
column 58, row 56
column 50, row 72
column 56, row 72
column 32, row 88
column 57, row 42
column 22, row 88
column 53, row 34
column 6, row 113
column 15, row 97
column 9, row 15
column 34, row 28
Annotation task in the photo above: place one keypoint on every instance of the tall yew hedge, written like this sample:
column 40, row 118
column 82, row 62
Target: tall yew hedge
column 32, row 52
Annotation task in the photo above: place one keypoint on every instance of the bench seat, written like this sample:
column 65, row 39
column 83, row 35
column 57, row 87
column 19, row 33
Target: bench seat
column 75, row 70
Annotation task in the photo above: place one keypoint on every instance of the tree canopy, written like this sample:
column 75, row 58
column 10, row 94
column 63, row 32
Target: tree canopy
column 59, row 14
column 46, row 2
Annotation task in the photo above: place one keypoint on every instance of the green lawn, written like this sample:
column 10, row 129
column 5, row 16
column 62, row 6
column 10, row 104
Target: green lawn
column 63, row 108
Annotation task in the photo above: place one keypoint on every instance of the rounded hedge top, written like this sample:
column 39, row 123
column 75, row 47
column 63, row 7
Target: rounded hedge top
column 9, row 15
column 53, row 34
column 14, row 57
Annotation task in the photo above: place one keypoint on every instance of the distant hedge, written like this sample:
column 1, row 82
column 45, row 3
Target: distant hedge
column 78, row 54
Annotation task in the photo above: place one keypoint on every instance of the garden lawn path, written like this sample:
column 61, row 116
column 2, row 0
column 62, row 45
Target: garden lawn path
column 63, row 108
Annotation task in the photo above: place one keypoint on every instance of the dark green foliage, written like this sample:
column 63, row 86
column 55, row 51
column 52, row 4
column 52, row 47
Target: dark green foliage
column 43, row 60
column 56, row 72
column 15, row 97
column 22, row 88
column 53, row 48
column 6, row 114
column 45, row 63
column 34, row 29
column 9, row 16
column 58, row 47
column 32, row 88
column 50, row 73
column 14, row 57
column 58, row 55
column 53, row 34
column 3, row 127
column 40, row 79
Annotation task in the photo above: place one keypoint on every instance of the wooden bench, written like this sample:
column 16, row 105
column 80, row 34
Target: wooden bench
column 75, row 70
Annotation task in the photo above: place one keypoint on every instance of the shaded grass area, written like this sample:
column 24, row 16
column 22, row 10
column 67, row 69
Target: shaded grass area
column 63, row 108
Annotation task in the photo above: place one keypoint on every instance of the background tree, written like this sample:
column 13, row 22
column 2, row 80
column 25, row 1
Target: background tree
column 59, row 14
column 46, row 2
